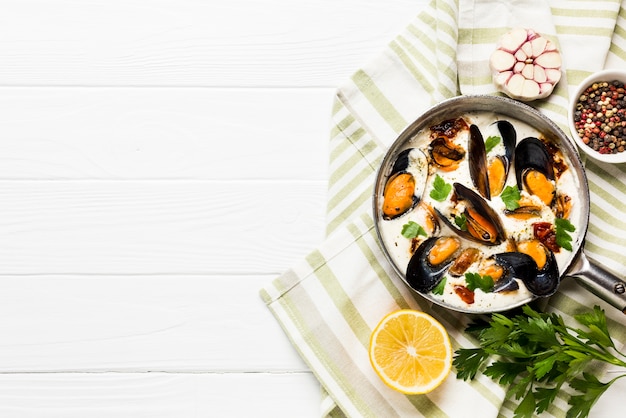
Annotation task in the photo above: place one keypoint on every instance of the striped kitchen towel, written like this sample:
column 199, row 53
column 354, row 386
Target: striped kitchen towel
column 329, row 303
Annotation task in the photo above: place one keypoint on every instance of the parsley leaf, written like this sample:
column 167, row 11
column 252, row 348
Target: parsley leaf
column 441, row 189
column 438, row 290
column 510, row 196
column 537, row 353
column 563, row 238
column 598, row 332
column 461, row 222
column 591, row 389
column 476, row 281
column 472, row 359
column 413, row 230
column 491, row 142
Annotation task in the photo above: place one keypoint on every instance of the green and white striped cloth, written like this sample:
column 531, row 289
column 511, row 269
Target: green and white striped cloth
column 329, row 303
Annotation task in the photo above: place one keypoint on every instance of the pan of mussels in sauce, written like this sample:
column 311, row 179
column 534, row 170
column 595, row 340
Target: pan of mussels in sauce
column 482, row 205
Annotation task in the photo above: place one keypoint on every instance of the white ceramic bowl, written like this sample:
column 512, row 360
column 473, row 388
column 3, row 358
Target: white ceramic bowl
column 604, row 75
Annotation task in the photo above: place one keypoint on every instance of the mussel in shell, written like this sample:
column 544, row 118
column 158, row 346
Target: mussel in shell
column 533, row 169
column 498, row 166
column 401, row 189
column 464, row 260
column 547, row 280
column 514, row 265
column 540, row 282
column 478, row 162
column 399, row 195
column 489, row 175
column 481, row 222
column 445, row 153
column 430, row 262
column 527, row 209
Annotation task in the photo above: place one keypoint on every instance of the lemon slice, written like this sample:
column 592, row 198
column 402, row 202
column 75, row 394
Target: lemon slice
column 410, row 351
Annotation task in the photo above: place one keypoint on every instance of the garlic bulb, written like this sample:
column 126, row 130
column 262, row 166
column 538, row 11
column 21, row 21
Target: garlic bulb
column 525, row 66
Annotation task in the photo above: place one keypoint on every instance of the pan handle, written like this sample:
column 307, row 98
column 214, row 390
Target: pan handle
column 600, row 282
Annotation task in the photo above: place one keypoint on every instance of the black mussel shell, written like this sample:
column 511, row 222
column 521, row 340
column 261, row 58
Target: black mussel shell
column 402, row 162
column 509, row 138
column 478, row 162
column 532, row 154
column 420, row 274
column 547, row 280
column 516, row 266
column 521, row 266
column 482, row 208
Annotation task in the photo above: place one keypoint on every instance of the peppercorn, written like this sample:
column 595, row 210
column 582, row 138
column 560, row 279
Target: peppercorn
column 600, row 117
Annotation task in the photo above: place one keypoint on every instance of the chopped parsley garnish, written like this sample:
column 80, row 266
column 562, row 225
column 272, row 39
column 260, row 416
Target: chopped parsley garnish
column 440, row 190
column 476, row 281
column 491, row 142
column 510, row 196
column 413, row 230
column 461, row 222
column 438, row 290
column 563, row 228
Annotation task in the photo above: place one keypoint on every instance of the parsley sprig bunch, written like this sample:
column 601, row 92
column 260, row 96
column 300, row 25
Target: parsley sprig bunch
column 537, row 353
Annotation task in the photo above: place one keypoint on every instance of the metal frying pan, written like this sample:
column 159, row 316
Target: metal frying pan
column 602, row 283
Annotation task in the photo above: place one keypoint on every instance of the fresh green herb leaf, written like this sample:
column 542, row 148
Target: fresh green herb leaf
column 591, row 389
column 461, row 222
column 412, row 230
column 438, row 290
column 537, row 353
column 476, row 281
column 598, row 332
column 441, row 189
column 510, row 196
column 491, row 142
column 544, row 397
column 526, row 408
column 469, row 361
column 563, row 238
column 504, row 372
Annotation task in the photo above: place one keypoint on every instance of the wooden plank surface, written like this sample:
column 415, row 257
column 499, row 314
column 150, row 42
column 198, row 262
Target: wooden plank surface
column 160, row 161
column 192, row 43
column 127, row 133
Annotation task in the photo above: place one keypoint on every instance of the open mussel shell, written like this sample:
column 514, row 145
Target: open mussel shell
column 478, row 162
column 483, row 224
column 498, row 168
column 533, row 169
column 516, row 266
column 422, row 274
column 402, row 188
column 489, row 175
column 540, row 282
column 509, row 138
column 547, row 280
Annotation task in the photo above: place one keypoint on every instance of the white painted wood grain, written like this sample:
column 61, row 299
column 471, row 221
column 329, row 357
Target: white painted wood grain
column 150, row 227
column 152, row 323
column 164, row 133
column 162, row 395
column 193, row 43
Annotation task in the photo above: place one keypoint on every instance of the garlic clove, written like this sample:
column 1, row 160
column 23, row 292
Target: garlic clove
column 513, row 40
column 527, row 48
column 502, row 60
column 538, row 46
column 540, row 74
column 551, row 59
column 525, row 65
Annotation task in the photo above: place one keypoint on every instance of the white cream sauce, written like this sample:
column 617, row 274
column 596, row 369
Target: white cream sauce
column 399, row 246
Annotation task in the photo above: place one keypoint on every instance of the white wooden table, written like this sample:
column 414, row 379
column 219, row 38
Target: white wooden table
column 160, row 161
